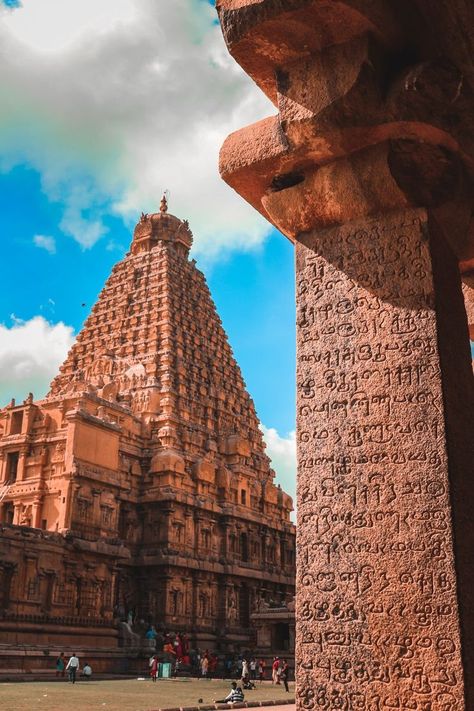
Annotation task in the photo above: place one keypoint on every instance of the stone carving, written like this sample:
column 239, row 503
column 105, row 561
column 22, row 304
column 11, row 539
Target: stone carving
column 25, row 515
column 232, row 612
column 368, row 171
column 376, row 551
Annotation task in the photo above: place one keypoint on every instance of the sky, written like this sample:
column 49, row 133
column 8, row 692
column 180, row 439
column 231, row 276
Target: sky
column 103, row 106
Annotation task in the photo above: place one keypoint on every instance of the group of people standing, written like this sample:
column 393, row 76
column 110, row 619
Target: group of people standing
column 280, row 672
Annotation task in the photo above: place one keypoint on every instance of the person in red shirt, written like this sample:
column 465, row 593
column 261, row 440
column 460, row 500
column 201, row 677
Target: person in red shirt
column 275, row 671
column 154, row 668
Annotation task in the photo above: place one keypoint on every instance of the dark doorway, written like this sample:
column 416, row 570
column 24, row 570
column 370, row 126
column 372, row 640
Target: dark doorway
column 281, row 636
column 12, row 466
column 8, row 513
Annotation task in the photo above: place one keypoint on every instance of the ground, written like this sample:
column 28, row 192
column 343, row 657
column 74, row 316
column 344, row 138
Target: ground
column 124, row 695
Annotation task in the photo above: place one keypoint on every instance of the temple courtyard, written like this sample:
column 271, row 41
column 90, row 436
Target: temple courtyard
column 126, row 695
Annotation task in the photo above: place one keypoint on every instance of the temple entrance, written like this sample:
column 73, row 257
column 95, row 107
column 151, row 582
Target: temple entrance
column 281, row 636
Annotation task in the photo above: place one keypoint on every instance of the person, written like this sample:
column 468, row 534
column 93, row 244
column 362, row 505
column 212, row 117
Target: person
column 245, row 669
column 204, row 666
column 151, row 633
column 275, row 667
column 213, row 662
column 235, row 694
column 72, row 667
column 154, row 667
column 247, row 683
column 240, row 665
column 178, row 646
column 60, row 665
column 86, row 671
column 253, row 669
column 261, row 669
column 285, row 670
column 228, row 664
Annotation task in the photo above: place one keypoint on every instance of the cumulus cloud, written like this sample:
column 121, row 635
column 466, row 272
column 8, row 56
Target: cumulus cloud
column 282, row 452
column 30, row 355
column 45, row 242
column 128, row 98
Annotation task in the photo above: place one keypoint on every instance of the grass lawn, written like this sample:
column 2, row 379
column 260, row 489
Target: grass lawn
column 128, row 695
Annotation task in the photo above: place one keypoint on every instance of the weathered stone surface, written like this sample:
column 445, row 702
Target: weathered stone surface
column 147, row 457
column 371, row 175
column 378, row 596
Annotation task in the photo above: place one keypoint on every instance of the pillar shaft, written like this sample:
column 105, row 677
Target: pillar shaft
column 379, row 621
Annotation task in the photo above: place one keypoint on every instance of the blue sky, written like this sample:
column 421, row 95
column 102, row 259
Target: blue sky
column 102, row 107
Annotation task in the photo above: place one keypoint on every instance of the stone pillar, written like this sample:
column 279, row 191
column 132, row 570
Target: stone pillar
column 224, row 547
column 21, row 468
column 96, row 519
column 368, row 169
column 17, row 509
column 195, row 593
column 383, row 533
column 50, row 576
column 36, row 512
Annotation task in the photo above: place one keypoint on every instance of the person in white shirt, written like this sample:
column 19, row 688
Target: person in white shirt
column 87, row 671
column 73, row 667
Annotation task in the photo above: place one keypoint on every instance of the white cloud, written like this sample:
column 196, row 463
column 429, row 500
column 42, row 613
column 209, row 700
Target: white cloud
column 45, row 242
column 128, row 97
column 30, row 354
column 282, row 452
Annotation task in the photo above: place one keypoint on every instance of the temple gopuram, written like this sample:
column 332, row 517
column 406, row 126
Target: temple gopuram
column 139, row 487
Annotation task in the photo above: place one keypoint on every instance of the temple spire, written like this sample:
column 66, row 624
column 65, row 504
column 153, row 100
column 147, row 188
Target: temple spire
column 164, row 204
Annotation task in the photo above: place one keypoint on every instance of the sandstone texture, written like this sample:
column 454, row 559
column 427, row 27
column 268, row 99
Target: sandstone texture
column 368, row 169
column 140, row 485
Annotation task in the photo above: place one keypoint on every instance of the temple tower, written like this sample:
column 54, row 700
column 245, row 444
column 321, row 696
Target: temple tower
column 149, row 443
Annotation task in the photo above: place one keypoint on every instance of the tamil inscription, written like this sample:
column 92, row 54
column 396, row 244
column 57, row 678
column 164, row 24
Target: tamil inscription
column 377, row 600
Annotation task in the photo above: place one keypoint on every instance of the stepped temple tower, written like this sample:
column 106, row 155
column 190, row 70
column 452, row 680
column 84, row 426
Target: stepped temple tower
column 368, row 167
column 140, row 484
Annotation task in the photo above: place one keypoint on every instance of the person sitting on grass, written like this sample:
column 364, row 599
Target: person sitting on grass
column 235, row 694
column 247, row 683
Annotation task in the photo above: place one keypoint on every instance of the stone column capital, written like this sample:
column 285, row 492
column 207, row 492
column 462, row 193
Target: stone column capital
column 363, row 128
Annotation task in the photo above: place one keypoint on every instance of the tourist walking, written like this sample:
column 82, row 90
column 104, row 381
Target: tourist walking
column 253, row 669
column 204, row 666
column 72, row 667
column 60, row 665
column 285, row 670
column 261, row 669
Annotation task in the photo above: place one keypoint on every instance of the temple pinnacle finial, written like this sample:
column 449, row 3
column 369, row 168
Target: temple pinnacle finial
column 163, row 203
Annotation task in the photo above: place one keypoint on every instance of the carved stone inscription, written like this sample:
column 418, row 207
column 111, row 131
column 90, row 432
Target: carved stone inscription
column 377, row 613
